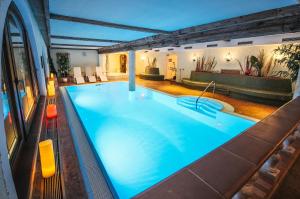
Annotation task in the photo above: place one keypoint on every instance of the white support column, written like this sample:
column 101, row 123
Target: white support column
column 131, row 79
column 297, row 88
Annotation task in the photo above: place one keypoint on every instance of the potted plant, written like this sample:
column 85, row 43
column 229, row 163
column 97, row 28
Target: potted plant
column 205, row 65
column 261, row 66
column 258, row 62
column 151, row 68
column 246, row 68
column 291, row 57
column 63, row 63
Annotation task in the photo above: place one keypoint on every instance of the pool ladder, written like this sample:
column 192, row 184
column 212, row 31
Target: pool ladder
column 202, row 93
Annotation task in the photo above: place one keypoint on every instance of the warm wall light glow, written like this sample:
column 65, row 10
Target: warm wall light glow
column 143, row 57
column 228, row 57
column 47, row 158
column 194, row 57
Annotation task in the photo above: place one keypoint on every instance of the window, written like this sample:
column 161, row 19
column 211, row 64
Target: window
column 9, row 119
column 21, row 65
column 18, row 78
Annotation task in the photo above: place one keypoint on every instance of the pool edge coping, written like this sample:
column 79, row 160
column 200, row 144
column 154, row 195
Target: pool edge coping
column 86, row 173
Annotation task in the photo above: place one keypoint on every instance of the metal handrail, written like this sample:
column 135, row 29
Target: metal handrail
column 202, row 93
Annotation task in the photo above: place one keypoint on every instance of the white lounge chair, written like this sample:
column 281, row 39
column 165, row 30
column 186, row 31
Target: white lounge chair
column 89, row 74
column 78, row 79
column 100, row 74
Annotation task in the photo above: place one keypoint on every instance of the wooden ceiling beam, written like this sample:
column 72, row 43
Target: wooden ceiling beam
column 278, row 21
column 70, row 48
column 241, row 20
column 78, row 45
column 85, row 39
column 106, row 24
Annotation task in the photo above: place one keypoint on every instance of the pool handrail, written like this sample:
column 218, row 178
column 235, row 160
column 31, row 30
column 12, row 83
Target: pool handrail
column 202, row 93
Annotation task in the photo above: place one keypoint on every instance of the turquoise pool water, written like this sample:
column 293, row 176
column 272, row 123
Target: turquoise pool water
column 142, row 137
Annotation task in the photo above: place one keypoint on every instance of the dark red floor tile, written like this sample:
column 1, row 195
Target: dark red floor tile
column 182, row 185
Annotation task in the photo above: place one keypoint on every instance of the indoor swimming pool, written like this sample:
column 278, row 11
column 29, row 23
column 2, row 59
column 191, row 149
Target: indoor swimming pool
column 142, row 137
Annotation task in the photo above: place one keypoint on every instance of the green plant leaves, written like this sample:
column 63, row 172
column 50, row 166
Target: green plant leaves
column 63, row 63
column 291, row 57
column 206, row 65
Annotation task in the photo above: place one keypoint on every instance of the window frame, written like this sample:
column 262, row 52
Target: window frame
column 13, row 11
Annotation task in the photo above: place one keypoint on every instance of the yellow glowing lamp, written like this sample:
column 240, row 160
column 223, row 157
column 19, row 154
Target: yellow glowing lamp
column 51, row 82
column 51, row 91
column 47, row 158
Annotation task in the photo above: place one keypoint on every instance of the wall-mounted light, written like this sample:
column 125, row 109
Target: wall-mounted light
column 228, row 57
column 194, row 58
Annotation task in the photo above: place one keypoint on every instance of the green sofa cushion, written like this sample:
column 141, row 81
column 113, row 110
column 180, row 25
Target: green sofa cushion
column 243, row 81
column 272, row 95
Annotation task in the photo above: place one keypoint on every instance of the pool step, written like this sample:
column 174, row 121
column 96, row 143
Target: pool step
column 201, row 108
column 204, row 106
column 192, row 101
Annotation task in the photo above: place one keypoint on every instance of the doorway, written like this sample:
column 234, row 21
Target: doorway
column 171, row 67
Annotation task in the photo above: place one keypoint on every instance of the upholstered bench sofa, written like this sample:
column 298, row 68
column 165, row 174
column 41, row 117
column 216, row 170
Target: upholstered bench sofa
column 259, row 89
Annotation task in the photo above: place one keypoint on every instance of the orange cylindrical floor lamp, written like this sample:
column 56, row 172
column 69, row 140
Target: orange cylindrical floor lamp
column 47, row 158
